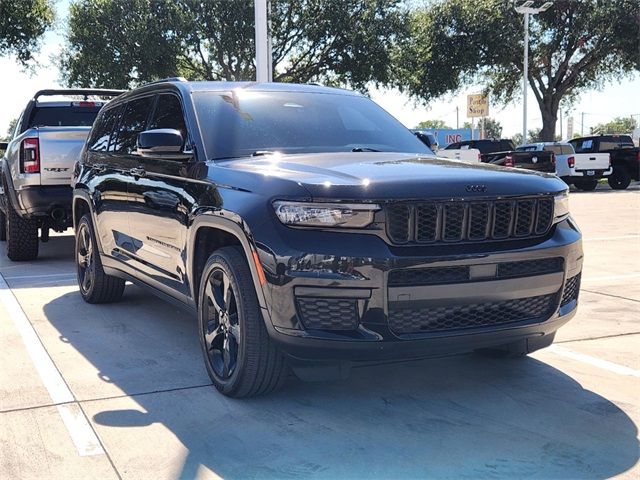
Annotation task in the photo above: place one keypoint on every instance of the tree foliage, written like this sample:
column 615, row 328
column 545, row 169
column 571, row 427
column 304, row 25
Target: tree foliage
column 22, row 24
column 433, row 124
column 121, row 43
column 492, row 128
column 617, row 125
column 574, row 46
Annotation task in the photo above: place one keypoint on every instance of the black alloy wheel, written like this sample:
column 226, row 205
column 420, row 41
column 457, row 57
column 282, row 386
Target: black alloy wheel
column 84, row 259
column 221, row 328
column 94, row 284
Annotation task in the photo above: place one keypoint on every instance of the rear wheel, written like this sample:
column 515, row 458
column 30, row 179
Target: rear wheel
column 21, row 235
column 95, row 285
column 240, row 358
column 619, row 179
column 3, row 226
column 586, row 185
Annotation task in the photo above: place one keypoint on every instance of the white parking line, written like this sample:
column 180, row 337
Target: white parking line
column 72, row 416
column 593, row 361
column 21, row 277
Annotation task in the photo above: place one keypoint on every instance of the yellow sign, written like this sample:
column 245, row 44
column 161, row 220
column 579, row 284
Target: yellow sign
column 477, row 105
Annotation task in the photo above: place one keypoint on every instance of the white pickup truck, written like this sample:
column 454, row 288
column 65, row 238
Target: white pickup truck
column 580, row 169
column 35, row 178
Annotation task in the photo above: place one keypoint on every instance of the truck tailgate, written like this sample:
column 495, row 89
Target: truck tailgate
column 59, row 149
column 591, row 161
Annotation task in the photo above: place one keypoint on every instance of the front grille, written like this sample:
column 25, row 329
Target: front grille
column 328, row 313
column 469, row 221
column 462, row 274
column 458, row 317
column 571, row 290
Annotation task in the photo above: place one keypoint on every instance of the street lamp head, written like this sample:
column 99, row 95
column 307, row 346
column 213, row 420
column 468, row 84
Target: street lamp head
column 546, row 6
column 527, row 4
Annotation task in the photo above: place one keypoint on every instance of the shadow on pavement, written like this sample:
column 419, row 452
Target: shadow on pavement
column 453, row 417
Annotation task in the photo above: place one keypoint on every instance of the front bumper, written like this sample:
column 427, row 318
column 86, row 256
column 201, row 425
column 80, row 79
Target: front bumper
column 341, row 282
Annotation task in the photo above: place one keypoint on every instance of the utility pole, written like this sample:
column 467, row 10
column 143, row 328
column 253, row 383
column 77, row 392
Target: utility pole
column 526, row 9
column 457, row 119
column 263, row 42
column 582, row 126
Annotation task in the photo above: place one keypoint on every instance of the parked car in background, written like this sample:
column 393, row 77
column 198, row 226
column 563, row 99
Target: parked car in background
column 624, row 156
column 502, row 152
column 306, row 228
column 580, row 169
column 35, row 178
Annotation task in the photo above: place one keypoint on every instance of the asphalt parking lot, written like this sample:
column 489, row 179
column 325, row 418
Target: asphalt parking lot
column 120, row 391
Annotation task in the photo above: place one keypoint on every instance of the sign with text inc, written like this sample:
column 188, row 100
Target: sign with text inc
column 477, row 105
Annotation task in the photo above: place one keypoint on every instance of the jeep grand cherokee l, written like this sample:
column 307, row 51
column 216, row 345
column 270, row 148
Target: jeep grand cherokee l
column 308, row 229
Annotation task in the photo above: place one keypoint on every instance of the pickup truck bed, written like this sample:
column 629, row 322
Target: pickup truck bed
column 35, row 174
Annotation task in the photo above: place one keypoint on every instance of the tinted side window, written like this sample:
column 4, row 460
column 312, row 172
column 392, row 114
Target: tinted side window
column 133, row 122
column 169, row 114
column 557, row 149
column 99, row 140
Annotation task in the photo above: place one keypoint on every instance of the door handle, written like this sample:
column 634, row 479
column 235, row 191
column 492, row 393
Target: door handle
column 138, row 172
column 592, row 158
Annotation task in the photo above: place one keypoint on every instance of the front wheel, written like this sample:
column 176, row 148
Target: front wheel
column 239, row 356
column 619, row 179
column 586, row 185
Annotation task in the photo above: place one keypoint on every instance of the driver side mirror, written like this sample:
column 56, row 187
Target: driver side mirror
column 162, row 142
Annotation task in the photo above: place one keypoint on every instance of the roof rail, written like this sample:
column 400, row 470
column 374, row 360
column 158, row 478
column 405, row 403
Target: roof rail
column 102, row 92
column 168, row 79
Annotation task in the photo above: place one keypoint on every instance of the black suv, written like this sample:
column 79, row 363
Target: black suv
column 308, row 229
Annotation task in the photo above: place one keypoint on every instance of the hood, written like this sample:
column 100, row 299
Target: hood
column 392, row 176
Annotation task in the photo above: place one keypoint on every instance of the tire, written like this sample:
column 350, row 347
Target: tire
column 21, row 235
column 239, row 356
column 586, row 185
column 3, row 226
column 619, row 179
column 95, row 285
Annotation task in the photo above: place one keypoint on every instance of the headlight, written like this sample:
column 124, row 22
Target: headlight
column 561, row 206
column 325, row 214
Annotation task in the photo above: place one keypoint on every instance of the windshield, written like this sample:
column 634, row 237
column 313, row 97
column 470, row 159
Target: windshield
column 64, row 116
column 242, row 123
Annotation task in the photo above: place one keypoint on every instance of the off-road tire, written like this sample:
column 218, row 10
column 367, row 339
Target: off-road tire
column 21, row 236
column 586, row 185
column 103, row 288
column 3, row 226
column 260, row 368
column 619, row 179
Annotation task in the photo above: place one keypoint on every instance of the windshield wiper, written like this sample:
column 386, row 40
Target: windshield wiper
column 259, row 153
column 364, row 149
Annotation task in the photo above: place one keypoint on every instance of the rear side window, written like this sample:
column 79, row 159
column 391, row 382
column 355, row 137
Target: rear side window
column 615, row 142
column 133, row 122
column 64, row 116
column 529, row 148
column 583, row 146
column 566, row 149
column 99, row 140
column 169, row 114
column 557, row 149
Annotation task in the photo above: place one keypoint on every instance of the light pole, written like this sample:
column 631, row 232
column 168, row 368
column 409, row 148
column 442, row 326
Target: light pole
column 527, row 9
column 263, row 41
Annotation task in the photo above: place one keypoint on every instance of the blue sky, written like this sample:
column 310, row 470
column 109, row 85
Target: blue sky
column 616, row 99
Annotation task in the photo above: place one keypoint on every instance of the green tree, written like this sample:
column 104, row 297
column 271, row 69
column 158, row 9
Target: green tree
column 22, row 24
column 492, row 128
column 617, row 125
column 121, row 43
column 574, row 46
column 433, row 124
column 10, row 129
